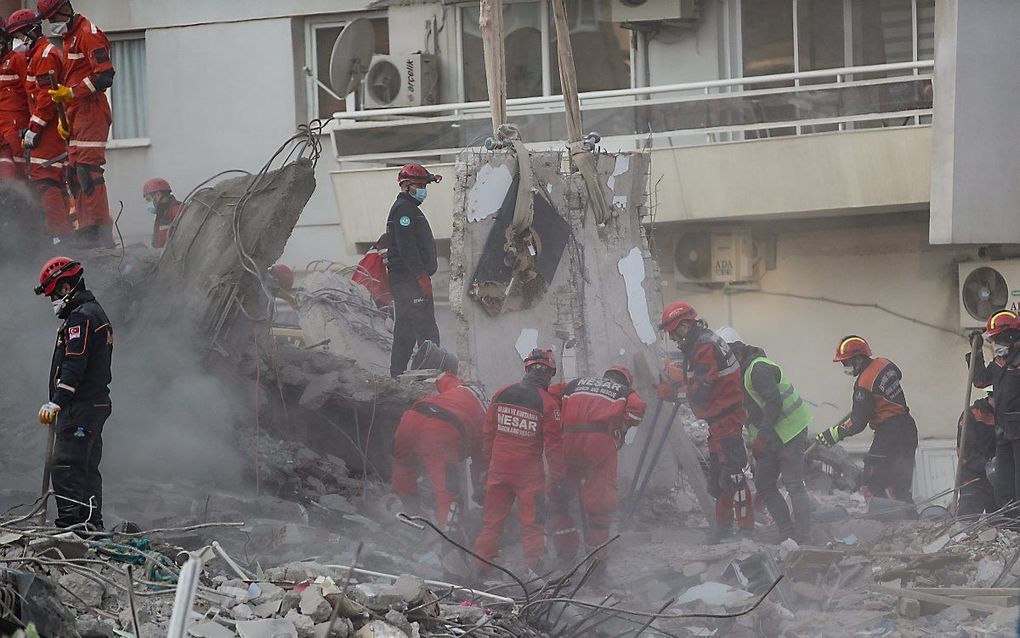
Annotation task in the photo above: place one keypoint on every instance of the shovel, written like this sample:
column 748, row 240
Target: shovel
column 47, row 468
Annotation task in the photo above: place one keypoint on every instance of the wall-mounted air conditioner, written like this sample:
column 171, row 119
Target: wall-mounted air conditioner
column 716, row 257
column 401, row 80
column 655, row 10
column 985, row 287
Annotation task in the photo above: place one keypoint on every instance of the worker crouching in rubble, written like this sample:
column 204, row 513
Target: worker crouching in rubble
column 437, row 434
column 596, row 415
column 976, row 493
column 715, row 395
column 777, row 423
column 878, row 401
column 79, row 391
column 521, row 425
column 1003, row 330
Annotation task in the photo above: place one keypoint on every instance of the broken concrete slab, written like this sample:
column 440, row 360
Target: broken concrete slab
column 76, row 589
column 342, row 628
column 274, row 628
column 304, row 625
column 314, row 605
column 210, row 629
column 379, row 629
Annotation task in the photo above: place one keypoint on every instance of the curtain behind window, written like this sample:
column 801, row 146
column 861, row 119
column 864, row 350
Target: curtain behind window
column 129, row 95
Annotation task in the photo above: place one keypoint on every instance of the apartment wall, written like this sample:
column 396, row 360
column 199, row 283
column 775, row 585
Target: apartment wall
column 803, row 307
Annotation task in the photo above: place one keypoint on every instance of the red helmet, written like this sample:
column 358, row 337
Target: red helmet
column 540, row 357
column 675, row 313
column 48, row 8
column 21, row 20
column 416, row 174
column 155, row 185
column 622, row 371
column 53, row 271
column 284, row 276
column 1002, row 321
column 851, row 346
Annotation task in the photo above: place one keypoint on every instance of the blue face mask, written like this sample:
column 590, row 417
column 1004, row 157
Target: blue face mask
column 420, row 194
column 151, row 207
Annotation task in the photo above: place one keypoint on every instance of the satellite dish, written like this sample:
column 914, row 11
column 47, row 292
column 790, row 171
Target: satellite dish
column 984, row 292
column 351, row 57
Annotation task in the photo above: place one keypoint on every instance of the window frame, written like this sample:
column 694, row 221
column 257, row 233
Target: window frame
column 310, row 68
column 129, row 142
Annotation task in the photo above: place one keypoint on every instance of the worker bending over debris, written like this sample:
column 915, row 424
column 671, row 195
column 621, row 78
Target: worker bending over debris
column 88, row 73
column 878, row 401
column 976, row 493
column 596, row 415
column 410, row 262
column 777, row 424
column 43, row 144
column 715, row 395
column 522, row 423
column 163, row 206
column 13, row 105
column 437, row 434
column 1003, row 330
column 79, row 392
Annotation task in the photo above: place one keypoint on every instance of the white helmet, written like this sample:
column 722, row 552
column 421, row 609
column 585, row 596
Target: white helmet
column 728, row 334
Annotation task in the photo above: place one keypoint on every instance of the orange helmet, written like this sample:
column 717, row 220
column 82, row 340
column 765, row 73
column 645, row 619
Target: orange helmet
column 622, row 371
column 1001, row 321
column 850, row 347
column 55, row 270
column 675, row 313
column 540, row 357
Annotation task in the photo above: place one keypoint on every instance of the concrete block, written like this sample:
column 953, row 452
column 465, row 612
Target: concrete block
column 399, row 621
column 275, row 628
column 242, row 612
column 908, row 608
column 342, row 628
column 314, row 605
column 209, row 629
column 304, row 625
column 379, row 629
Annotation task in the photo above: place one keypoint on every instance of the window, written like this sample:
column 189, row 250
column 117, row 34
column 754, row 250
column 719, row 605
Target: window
column 322, row 102
column 601, row 49
column 129, row 96
column 767, row 36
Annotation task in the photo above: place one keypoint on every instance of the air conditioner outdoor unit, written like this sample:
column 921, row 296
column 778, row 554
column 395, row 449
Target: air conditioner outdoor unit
column 401, row 80
column 716, row 257
column 654, row 10
column 985, row 287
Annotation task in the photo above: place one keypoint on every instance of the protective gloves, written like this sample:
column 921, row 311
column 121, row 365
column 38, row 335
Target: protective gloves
column 63, row 132
column 830, row 437
column 61, row 94
column 29, row 139
column 425, row 286
column 48, row 413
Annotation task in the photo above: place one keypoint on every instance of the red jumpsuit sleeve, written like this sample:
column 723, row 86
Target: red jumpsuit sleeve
column 96, row 47
column 552, row 433
column 702, row 377
column 488, row 435
column 558, row 390
column 43, row 110
column 636, row 407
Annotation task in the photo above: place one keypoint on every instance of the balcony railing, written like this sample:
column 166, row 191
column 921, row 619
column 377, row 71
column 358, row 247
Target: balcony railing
column 669, row 115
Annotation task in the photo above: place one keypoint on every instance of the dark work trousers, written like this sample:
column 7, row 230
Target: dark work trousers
column 786, row 461
column 1007, row 473
column 414, row 321
column 77, row 452
column 889, row 465
column 977, row 495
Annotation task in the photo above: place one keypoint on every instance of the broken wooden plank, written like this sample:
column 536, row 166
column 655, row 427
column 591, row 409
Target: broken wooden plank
column 934, row 598
column 490, row 21
column 970, row 591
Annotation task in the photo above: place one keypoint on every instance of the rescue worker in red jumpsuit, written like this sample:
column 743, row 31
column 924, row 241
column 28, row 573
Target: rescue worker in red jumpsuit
column 977, row 495
column 163, row 206
column 79, row 392
column 88, row 73
column 521, row 424
column 42, row 140
column 13, row 105
column 1003, row 331
column 715, row 394
column 878, row 401
column 437, row 434
column 596, row 414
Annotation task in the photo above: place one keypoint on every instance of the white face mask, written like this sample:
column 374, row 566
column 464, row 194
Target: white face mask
column 849, row 371
column 58, row 305
column 19, row 45
column 57, row 29
column 1000, row 349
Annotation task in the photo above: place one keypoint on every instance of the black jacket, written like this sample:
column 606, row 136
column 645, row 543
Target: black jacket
column 80, row 368
column 980, row 420
column 411, row 247
column 1004, row 374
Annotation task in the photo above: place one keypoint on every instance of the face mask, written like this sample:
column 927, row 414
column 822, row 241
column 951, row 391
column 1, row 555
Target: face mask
column 151, row 207
column 19, row 45
column 849, row 371
column 58, row 304
column 420, row 194
column 57, row 29
column 1000, row 349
